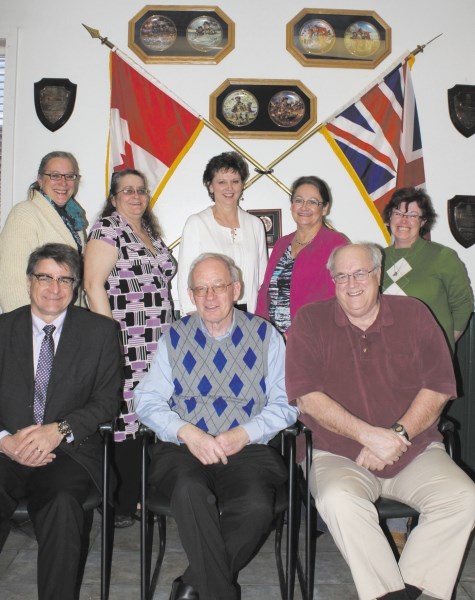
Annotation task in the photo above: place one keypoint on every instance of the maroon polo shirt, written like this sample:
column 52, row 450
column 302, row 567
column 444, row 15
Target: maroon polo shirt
column 375, row 374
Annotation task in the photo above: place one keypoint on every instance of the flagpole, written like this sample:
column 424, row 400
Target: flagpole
column 94, row 33
column 317, row 128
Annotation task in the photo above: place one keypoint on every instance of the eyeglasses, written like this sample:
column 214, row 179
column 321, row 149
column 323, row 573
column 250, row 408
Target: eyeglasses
column 59, row 176
column 218, row 289
column 46, row 280
column 361, row 275
column 310, row 201
column 130, row 191
column 400, row 215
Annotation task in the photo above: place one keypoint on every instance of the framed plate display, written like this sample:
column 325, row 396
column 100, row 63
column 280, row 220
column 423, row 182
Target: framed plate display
column 338, row 38
column 272, row 220
column 264, row 108
column 181, row 34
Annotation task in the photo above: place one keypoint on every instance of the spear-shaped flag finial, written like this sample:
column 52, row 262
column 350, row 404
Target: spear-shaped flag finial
column 94, row 33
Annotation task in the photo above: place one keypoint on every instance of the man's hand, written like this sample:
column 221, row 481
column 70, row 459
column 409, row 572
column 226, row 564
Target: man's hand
column 385, row 444
column 233, row 440
column 33, row 445
column 369, row 461
column 202, row 445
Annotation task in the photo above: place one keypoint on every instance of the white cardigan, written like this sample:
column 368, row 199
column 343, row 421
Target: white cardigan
column 30, row 224
column 249, row 251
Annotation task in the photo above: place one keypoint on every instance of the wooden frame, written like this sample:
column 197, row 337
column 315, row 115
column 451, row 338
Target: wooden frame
column 324, row 37
column 272, row 220
column 181, row 34
column 263, row 108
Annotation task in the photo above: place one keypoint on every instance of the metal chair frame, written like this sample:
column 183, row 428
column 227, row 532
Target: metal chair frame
column 154, row 503
column 387, row 509
column 94, row 500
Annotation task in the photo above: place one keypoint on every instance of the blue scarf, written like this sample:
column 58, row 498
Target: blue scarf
column 73, row 217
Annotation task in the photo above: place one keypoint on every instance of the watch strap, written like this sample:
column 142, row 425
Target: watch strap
column 400, row 430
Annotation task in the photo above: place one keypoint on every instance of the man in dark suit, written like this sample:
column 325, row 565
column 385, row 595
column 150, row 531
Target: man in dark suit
column 50, row 409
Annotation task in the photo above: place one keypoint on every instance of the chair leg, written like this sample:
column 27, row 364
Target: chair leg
column 107, row 531
column 311, row 543
column 292, row 531
column 162, row 535
column 144, row 524
column 279, row 527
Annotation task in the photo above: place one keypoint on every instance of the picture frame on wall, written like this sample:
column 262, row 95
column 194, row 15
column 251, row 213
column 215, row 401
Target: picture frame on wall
column 272, row 220
column 263, row 108
column 355, row 39
column 181, row 34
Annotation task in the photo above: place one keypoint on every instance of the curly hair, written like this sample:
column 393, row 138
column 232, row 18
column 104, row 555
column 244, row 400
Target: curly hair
column 227, row 161
column 403, row 197
column 149, row 220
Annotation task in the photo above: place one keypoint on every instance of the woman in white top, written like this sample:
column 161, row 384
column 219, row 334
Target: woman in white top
column 224, row 228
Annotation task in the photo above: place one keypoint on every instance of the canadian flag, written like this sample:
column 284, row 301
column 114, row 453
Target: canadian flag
column 149, row 130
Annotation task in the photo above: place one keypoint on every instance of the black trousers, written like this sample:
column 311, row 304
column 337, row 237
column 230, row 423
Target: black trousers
column 223, row 512
column 55, row 496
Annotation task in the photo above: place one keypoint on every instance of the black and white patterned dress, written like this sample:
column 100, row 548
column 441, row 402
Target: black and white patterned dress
column 138, row 288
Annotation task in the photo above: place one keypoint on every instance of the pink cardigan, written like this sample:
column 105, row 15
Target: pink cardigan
column 310, row 279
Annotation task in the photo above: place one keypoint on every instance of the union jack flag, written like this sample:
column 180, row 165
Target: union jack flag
column 378, row 139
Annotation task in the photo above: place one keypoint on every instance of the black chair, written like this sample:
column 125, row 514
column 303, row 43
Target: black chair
column 387, row 509
column 94, row 500
column 155, row 506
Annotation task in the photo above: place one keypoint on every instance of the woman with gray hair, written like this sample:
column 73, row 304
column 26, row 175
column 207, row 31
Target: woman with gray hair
column 50, row 214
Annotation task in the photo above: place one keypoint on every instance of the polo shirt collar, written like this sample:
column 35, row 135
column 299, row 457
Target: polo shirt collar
column 385, row 316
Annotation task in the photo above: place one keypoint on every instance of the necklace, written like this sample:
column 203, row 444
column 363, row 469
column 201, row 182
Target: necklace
column 302, row 243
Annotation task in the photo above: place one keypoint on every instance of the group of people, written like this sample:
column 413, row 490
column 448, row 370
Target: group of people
column 259, row 344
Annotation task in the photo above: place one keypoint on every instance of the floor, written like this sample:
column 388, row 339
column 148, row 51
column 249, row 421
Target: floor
column 258, row 580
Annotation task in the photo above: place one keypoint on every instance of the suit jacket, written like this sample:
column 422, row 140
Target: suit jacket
column 85, row 385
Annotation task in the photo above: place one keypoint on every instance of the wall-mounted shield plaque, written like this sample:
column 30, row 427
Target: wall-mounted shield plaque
column 461, row 212
column 462, row 108
column 54, row 101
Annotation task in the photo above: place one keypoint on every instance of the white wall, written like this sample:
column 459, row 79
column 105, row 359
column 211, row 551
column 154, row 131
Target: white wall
column 52, row 43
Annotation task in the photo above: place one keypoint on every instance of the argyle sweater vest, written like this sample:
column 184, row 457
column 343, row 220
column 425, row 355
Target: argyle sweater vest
column 219, row 384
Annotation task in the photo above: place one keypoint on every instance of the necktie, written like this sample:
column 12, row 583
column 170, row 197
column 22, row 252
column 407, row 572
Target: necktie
column 43, row 371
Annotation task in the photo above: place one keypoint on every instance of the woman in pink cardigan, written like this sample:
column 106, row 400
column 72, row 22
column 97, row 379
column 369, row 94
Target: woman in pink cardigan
column 296, row 273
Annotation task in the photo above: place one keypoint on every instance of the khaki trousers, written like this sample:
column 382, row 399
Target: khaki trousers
column 433, row 484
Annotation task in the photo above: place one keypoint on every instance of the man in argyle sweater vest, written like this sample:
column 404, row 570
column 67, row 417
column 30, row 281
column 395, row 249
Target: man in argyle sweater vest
column 215, row 395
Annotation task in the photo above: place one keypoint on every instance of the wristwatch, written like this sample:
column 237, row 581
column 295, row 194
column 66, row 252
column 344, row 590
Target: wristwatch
column 400, row 430
column 64, row 429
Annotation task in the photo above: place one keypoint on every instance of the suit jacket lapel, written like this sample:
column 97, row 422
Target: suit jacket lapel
column 64, row 355
column 22, row 348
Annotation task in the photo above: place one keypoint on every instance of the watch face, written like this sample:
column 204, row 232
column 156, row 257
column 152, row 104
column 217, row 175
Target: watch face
column 64, row 428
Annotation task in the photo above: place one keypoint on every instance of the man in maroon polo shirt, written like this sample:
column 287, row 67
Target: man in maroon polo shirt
column 371, row 375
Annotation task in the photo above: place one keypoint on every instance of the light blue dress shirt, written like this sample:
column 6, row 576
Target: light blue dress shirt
column 152, row 396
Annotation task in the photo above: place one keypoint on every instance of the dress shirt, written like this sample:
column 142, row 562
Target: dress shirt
column 39, row 334
column 152, row 397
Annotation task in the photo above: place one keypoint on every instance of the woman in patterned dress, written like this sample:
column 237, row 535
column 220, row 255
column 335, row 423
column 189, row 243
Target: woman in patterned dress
column 127, row 273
